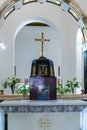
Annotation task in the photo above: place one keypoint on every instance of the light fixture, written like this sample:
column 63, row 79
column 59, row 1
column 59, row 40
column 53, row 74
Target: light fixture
column 58, row 2
column 28, row 1
column 8, row 11
column 73, row 13
column 2, row 46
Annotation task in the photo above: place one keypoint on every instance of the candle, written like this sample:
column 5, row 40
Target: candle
column 82, row 83
column 58, row 70
column 1, row 84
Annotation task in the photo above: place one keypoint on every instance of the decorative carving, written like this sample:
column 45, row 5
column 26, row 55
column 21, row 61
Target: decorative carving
column 44, row 122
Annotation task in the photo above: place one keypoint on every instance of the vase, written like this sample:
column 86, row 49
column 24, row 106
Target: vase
column 72, row 90
column 12, row 89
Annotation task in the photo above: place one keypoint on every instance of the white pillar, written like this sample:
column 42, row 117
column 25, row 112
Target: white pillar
column 83, row 119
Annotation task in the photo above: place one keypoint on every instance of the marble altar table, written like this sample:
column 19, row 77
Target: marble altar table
column 43, row 106
column 49, row 110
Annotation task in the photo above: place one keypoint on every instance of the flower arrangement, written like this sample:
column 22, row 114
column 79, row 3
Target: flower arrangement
column 23, row 89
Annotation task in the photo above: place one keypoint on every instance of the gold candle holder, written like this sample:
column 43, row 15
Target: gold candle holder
column 82, row 91
column 1, row 92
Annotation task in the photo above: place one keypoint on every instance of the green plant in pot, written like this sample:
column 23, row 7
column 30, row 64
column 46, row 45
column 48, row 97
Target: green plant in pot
column 10, row 82
column 69, row 86
column 72, row 84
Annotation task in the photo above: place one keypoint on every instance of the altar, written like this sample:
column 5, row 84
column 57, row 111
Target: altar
column 44, row 115
column 43, row 109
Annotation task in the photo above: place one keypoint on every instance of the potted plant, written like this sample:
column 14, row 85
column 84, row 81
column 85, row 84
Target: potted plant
column 10, row 82
column 69, row 86
column 72, row 84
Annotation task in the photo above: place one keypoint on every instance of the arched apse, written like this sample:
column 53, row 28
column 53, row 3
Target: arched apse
column 32, row 20
column 28, row 32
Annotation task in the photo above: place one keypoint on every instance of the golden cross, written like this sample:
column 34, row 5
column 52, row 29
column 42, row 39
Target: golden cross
column 42, row 41
column 44, row 123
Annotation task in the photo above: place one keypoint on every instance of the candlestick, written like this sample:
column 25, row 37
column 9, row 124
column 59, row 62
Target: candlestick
column 58, row 70
column 82, row 83
column 1, row 84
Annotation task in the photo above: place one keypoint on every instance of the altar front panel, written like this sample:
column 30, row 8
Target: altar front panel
column 44, row 121
column 42, row 88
